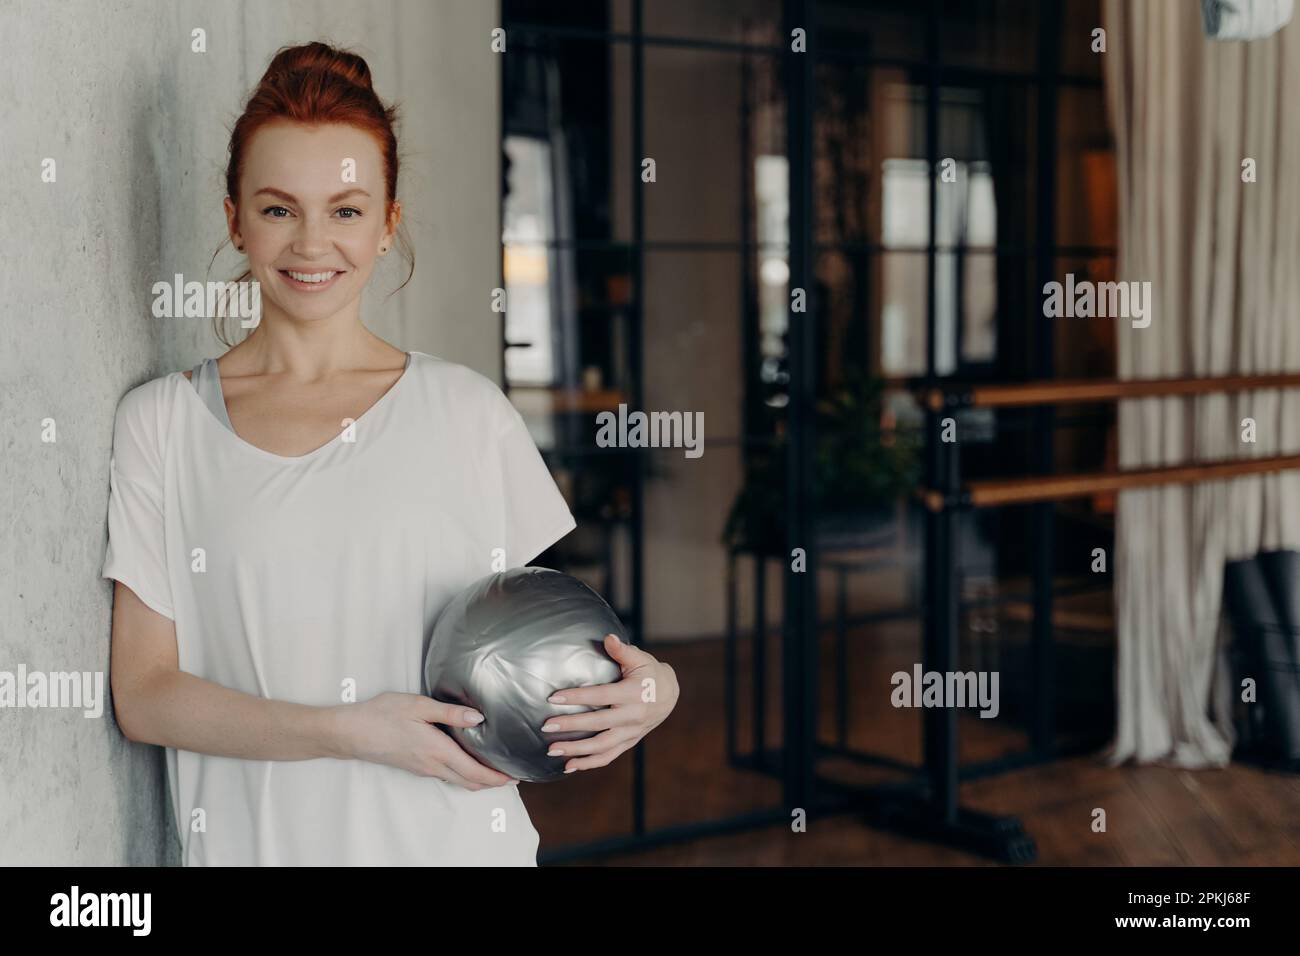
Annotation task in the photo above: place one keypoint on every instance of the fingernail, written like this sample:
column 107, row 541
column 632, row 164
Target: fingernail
column 570, row 770
column 546, row 728
column 554, row 752
column 474, row 717
column 556, row 699
column 617, row 639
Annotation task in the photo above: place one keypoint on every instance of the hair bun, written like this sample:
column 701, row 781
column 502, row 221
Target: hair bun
column 319, row 57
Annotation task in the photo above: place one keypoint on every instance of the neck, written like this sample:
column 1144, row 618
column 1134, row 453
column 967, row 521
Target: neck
column 309, row 350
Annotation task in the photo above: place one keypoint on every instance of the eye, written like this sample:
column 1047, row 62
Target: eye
column 274, row 211
column 349, row 212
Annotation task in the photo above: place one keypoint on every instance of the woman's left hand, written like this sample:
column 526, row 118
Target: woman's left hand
column 630, row 708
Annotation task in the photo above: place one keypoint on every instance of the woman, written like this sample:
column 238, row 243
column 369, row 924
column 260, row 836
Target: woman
column 286, row 523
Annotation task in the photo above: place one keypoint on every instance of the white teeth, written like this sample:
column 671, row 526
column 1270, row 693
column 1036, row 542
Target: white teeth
column 311, row 276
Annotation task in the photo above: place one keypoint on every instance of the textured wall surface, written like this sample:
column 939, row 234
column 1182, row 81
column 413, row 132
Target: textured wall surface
column 138, row 124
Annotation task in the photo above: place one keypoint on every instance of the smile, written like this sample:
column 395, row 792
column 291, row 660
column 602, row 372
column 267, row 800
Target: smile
column 309, row 281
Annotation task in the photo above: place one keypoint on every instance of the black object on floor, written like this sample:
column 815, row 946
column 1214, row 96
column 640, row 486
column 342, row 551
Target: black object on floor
column 1261, row 596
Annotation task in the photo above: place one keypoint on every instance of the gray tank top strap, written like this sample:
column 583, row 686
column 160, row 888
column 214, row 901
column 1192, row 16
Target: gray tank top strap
column 207, row 382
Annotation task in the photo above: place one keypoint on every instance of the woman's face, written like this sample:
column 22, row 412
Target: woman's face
column 311, row 216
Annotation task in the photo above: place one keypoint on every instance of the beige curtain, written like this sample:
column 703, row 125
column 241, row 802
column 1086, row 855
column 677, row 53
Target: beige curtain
column 1223, row 258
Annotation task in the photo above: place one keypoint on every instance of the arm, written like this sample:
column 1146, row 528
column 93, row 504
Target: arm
column 157, row 703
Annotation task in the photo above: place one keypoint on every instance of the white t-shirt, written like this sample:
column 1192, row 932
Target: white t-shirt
column 299, row 578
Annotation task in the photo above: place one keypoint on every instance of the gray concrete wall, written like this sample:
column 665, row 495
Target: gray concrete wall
column 138, row 126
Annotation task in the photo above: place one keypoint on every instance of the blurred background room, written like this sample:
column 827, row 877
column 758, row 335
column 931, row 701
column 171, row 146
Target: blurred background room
column 929, row 167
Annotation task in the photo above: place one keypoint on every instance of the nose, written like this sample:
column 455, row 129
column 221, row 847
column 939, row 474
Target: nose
column 310, row 241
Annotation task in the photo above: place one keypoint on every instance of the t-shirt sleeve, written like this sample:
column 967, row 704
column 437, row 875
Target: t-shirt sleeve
column 136, row 553
column 535, row 513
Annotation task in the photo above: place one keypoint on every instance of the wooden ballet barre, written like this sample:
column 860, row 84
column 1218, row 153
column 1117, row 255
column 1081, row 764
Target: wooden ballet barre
column 1013, row 491
column 1086, row 390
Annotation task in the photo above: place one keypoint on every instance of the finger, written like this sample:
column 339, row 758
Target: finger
column 453, row 715
column 594, row 720
column 628, row 657
column 471, row 769
column 591, row 745
column 599, row 695
column 451, row 776
column 598, row 760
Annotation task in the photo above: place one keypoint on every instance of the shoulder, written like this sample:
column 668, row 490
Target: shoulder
column 149, row 398
column 471, row 395
column 143, row 416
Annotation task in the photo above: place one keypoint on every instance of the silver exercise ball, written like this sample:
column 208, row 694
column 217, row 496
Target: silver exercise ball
column 503, row 646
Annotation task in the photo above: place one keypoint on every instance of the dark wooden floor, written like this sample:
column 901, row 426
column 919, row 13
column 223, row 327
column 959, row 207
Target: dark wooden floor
column 1156, row 816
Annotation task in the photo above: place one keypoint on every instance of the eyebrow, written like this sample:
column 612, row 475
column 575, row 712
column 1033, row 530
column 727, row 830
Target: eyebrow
column 289, row 197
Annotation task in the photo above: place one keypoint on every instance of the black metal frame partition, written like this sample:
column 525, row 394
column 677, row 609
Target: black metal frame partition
column 909, row 807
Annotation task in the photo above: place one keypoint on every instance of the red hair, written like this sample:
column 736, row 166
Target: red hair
column 316, row 84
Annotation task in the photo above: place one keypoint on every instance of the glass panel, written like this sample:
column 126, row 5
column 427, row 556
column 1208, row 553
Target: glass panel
column 567, row 93
column 997, row 35
column 893, row 29
column 592, row 14
column 981, row 303
column 529, row 220
column 693, row 308
column 688, row 569
column 869, row 149
column 1085, row 346
column 694, row 365
column 988, row 194
column 993, row 634
column 869, row 592
column 898, row 306
column 870, row 161
column 568, row 325
column 966, row 285
column 869, row 535
column 1078, row 19
column 708, row 116
column 996, row 631
column 733, row 21
column 845, row 281
column 772, row 223
column 899, row 101
column 1086, row 187
column 905, row 204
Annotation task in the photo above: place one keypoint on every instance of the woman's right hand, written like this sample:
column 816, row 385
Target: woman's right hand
column 397, row 729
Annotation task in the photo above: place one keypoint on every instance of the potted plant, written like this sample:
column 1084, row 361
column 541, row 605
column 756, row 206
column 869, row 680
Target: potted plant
column 861, row 470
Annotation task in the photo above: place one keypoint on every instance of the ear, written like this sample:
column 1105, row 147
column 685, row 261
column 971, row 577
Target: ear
column 390, row 228
column 232, row 224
